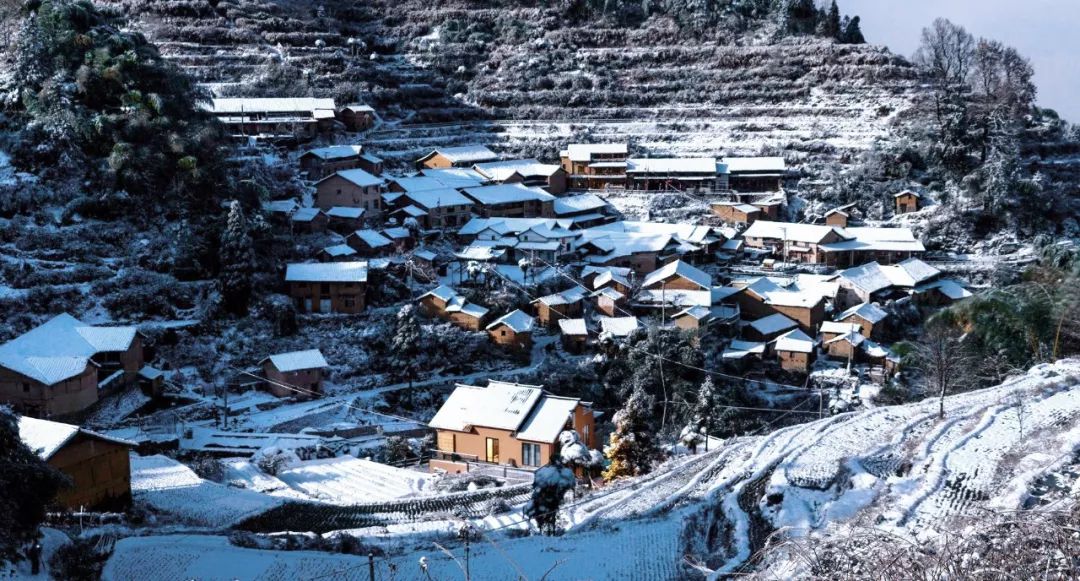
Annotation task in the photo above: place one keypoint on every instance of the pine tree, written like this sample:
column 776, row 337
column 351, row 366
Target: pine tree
column 852, row 34
column 830, row 23
column 702, row 419
column 237, row 261
column 405, row 345
column 632, row 446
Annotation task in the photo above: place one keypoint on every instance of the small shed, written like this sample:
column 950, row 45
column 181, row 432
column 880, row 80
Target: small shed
column 513, row 329
column 770, row 327
column 309, row 220
column 907, row 201
column 796, row 351
column 295, row 374
column 693, row 318
column 574, row 335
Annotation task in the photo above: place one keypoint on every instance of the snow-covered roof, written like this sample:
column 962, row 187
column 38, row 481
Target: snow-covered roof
column 619, row 326
column 907, row 193
column 339, row 250
column 249, row 105
column 688, row 232
column 867, row 311
column 306, row 214
column 500, row 405
column 517, row 320
column 411, row 211
column 838, row 327
column 795, row 340
column 681, row 269
column 464, row 154
column 911, row 272
column 807, row 233
column 372, row 238
column 950, row 288
column 345, row 212
column 585, row 151
column 870, row 277
column 298, row 360
column 672, row 165
column 441, row 292
column 548, row 419
column 739, row 349
column 61, row 348
column 573, row 327
column 507, row 194
column 397, row 233
column 744, row 208
column 755, row 164
column 46, row 437
column 565, row 297
column 454, row 174
column 526, row 168
column 785, row 298
column 878, row 239
column 327, row 272
column 359, row 108
column 481, row 252
column 425, row 254
column 336, row 152
column 674, row 297
column 610, row 276
column 513, row 226
column 438, row 198
column 580, row 203
column 356, row 176
column 854, row 337
column 610, row 293
column 773, row 324
column 280, row 206
column 696, row 312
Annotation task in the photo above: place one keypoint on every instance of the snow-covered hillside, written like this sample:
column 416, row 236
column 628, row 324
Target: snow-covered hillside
column 903, row 469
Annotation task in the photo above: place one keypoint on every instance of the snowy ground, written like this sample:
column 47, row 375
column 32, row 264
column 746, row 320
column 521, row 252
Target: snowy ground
column 348, row 480
column 170, row 487
column 900, row 467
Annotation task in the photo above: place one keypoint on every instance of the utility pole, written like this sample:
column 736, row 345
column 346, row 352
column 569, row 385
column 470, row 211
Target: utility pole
column 371, row 565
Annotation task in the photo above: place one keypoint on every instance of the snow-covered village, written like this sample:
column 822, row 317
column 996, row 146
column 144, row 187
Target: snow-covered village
column 482, row 290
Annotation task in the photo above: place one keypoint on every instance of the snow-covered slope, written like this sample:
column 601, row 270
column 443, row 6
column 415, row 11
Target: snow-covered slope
column 901, row 468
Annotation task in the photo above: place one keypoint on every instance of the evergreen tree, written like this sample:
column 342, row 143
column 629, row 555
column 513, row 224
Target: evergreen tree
column 830, row 22
column 852, row 34
column 405, row 345
column 702, row 419
column 550, row 484
column 237, row 261
column 633, row 446
column 29, row 485
column 802, row 17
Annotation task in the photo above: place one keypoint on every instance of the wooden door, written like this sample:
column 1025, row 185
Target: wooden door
column 492, row 450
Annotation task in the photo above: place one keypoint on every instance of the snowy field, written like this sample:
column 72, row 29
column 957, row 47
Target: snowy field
column 170, row 487
column 348, row 480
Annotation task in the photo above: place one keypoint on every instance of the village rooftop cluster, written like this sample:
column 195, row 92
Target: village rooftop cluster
column 784, row 297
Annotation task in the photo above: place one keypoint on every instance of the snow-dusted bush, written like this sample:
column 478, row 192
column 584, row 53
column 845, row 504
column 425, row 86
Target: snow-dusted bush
column 273, row 460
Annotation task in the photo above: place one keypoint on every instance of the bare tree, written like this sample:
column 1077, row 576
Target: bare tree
column 944, row 359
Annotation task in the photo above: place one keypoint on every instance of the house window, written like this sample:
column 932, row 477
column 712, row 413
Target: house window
column 530, row 454
column 492, row 450
column 503, row 332
column 350, row 303
column 26, row 387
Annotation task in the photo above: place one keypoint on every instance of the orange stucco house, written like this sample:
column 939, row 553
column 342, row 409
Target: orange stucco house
column 506, row 423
